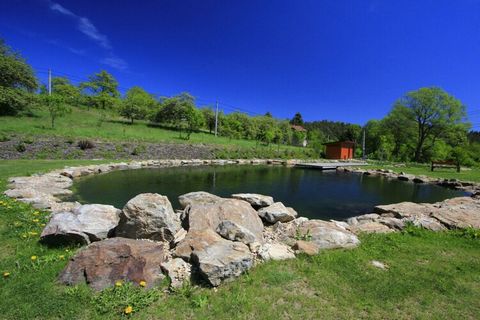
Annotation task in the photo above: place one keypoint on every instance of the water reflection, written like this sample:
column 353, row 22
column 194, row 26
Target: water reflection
column 314, row 194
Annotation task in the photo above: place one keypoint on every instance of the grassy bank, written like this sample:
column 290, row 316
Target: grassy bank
column 430, row 275
column 466, row 174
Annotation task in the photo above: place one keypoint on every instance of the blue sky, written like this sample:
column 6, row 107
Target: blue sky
column 335, row 60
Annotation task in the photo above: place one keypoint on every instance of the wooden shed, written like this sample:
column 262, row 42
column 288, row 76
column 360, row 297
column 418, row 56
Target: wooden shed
column 342, row 150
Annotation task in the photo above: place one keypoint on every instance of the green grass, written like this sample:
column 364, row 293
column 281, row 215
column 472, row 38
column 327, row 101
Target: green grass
column 430, row 276
column 82, row 123
column 467, row 174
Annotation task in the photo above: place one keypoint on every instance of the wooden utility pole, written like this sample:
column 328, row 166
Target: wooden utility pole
column 49, row 82
column 216, row 118
column 363, row 145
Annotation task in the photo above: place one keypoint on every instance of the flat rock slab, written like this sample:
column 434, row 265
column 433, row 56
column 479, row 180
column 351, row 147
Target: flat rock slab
column 325, row 235
column 198, row 197
column 370, row 227
column 459, row 213
column 405, row 209
column 148, row 216
column 255, row 199
column 103, row 263
column 85, row 224
column 276, row 251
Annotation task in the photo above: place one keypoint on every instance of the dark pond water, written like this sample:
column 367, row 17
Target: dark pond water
column 313, row 193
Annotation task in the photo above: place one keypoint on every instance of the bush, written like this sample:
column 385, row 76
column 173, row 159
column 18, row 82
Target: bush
column 4, row 137
column 28, row 140
column 137, row 150
column 85, row 144
column 21, row 147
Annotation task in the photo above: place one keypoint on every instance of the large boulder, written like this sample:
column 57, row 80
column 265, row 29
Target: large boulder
column 404, row 209
column 85, row 224
column 459, row 213
column 325, row 235
column 426, row 222
column 103, row 263
column 255, row 199
column 148, row 216
column 215, row 258
column 197, row 197
column 277, row 212
column 238, row 212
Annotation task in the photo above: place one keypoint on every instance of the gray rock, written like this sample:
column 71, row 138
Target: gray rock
column 256, row 200
column 459, row 213
column 276, row 251
column 392, row 223
column 426, row 222
column 234, row 232
column 87, row 223
column 275, row 213
column 197, row 197
column 103, row 263
column 178, row 271
column 379, row 265
column 148, row 216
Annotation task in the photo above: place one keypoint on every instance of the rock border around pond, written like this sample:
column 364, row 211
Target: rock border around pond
column 211, row 239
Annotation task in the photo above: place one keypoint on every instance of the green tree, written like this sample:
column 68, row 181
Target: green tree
column 137, row 104
column 101, row 90
column 180, row 111
column 209, row 116
column 17, row 82
column 56, row 105
column 434, row 111
column 297, row 119
column 63, row 87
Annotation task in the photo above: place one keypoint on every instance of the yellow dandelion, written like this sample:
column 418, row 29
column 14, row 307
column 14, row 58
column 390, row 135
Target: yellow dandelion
column 6, row 274
column 142, row 283
column 128, row 310
column 118, row 283
column 62, row 257
column 36, row 213
column 33, row 258
column 33, row 233
column 36, row 220
column 42, row 225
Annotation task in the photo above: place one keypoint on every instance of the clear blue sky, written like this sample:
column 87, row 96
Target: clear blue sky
column 336, row 60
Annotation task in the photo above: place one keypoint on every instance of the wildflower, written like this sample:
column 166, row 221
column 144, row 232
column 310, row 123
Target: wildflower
column 142, row 283
column 42, row 224
column 6, row 274
column 24, row 236
column 118, row 283
column 62, row 257
column 36, row 213
column 33, row 258
column 36, row 220
column 128, row 310
column 33, row 233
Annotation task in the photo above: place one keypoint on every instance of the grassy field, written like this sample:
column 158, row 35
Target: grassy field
column 430, row 276
column 82, row 123
column 467, row 174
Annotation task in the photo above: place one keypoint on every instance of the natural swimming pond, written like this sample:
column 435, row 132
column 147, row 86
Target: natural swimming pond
column 313, row 193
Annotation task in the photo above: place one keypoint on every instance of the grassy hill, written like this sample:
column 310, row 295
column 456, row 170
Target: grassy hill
column 95, row 125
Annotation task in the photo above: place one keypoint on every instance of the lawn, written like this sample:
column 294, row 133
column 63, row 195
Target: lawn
column 466, row 174
column 430, row 275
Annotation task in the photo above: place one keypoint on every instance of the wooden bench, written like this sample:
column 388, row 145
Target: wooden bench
column 446, row 164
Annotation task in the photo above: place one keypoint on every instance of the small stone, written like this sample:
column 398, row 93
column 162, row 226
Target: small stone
column 378, row 264
column 307, row 247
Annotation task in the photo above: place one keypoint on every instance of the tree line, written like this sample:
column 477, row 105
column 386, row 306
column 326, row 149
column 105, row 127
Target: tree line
column 424, row 125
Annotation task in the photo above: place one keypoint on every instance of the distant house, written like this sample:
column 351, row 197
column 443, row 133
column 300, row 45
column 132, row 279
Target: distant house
column 341, row 150
column 301, row 137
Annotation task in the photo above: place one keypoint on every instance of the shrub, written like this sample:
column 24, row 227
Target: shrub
column 137, row 150
column 28, row 140
column 4, row 137
column 85, row 144
column 21, row 147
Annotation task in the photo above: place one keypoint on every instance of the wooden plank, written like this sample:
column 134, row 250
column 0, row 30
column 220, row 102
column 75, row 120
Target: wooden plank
column 329, row 165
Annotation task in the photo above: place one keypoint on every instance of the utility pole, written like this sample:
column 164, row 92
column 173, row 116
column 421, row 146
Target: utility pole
column 216, row 118
column 49, row 82
column 363, row 145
